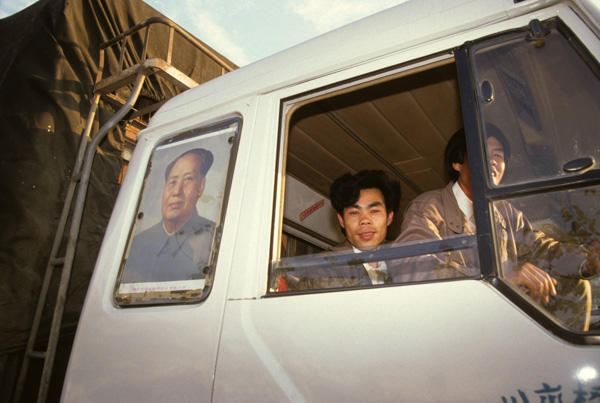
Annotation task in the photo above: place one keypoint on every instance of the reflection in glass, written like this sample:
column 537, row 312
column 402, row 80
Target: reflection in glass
column 551, row 231
column 406, row 262
column 545, row 101
column 539, row 100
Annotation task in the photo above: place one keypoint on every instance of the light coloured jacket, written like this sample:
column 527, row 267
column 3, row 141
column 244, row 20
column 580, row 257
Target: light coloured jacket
column 436, row 215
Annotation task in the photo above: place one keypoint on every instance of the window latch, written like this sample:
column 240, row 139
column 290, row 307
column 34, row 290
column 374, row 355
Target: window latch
column 537, row 33
column 579, row 165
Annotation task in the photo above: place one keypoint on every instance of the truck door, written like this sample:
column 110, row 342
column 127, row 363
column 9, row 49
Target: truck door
column 315, row 331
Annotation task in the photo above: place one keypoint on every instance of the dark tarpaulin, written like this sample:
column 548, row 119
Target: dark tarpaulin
column 49, row 61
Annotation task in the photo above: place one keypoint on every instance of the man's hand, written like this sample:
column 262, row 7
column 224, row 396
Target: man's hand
column 591, row 267
column 537, row 283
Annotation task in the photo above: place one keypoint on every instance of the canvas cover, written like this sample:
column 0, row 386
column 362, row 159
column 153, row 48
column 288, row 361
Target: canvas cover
column 50, row 54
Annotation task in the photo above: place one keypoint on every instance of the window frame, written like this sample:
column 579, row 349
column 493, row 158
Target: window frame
column 288, row 107
column 483, row 200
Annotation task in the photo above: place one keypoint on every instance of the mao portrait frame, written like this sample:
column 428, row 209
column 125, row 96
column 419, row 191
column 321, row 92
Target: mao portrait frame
column 222, row 140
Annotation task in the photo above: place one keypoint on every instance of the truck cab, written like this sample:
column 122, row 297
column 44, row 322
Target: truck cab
column 386, row 92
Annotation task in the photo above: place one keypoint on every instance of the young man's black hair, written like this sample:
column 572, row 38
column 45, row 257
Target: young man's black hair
column 456, row 149
column 345, row 190
column 455, row 152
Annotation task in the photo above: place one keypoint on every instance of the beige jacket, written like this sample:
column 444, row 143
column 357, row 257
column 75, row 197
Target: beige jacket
column 436, row 215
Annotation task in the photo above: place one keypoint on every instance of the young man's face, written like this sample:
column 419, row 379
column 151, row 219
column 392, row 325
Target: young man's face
column 184, row 186
column 367, row 220
column 497, row 166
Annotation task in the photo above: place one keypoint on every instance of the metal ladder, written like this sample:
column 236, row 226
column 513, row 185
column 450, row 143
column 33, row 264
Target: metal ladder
column 104, row 87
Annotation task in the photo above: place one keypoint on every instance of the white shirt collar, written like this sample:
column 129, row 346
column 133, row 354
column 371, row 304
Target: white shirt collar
column 464, row 203
column 377, row 275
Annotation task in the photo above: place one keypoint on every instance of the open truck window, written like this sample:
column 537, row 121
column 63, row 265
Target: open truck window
column 540, row 93
column 173, row 245
column 399, row 122
column 539, row 102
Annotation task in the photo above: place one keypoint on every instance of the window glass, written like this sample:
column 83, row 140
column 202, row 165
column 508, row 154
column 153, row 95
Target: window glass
column 543, row 95
column 293, row 246
column 540, row 101
column 393, row 263
column 172, row 250
column 552, row 231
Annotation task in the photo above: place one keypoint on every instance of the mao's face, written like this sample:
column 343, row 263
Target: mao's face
column 182, row 189
column 367, row 220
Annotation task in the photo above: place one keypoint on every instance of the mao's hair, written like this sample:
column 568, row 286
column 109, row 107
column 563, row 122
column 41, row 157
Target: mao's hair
column 206, row 161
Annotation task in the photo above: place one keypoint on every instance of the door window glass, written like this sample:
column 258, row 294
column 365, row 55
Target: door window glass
column 552, row 232
column 539, row 99
column 542, row 95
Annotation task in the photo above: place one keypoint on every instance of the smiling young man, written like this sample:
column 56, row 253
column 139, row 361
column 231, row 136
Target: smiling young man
column 365, row 205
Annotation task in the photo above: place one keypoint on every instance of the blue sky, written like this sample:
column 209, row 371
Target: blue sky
column 248, row 30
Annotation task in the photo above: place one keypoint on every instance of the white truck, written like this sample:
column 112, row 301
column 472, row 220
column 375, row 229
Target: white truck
column 386, row 92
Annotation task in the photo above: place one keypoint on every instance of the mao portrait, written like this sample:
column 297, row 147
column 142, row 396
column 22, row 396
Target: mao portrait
column 178, row 247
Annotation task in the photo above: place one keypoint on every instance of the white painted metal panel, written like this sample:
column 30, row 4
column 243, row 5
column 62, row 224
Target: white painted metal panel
column 450, row 341
column 453, row 341
column 149, row 353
